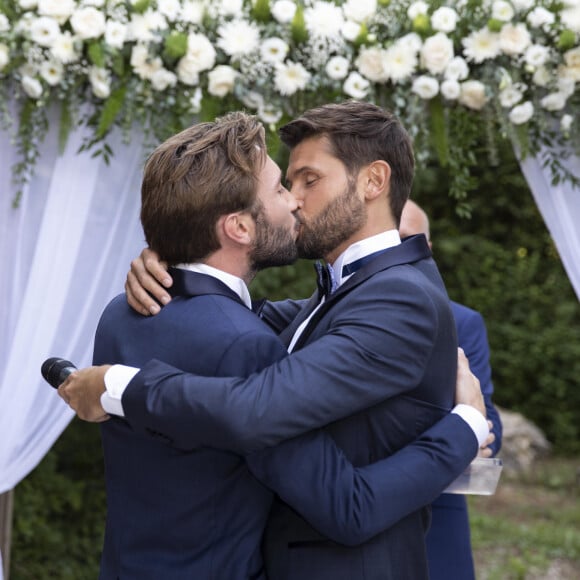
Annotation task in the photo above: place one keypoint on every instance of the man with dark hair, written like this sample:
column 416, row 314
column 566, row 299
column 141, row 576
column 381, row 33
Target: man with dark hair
column 374, row 353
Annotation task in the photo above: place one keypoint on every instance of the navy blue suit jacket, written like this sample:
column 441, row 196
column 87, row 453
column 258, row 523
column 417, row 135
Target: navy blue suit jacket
column 390, row 337
column 179, row 514
column 448, row 540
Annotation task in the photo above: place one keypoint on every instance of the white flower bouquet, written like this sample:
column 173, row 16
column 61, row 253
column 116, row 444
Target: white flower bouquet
column 451, row 70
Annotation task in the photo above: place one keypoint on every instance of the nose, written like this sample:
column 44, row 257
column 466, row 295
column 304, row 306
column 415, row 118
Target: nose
column 292, row 201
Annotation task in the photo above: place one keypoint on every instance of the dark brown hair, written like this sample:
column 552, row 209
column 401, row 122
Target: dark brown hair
column 196, row 176
column 360, row 133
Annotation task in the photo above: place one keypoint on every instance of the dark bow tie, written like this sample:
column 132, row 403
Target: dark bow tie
column 325, row 279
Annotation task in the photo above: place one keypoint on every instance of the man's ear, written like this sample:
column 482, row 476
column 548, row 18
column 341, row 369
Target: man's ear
column 377, row 179
column 237, row 228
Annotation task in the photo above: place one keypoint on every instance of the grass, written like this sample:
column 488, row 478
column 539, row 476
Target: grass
column 530, row 528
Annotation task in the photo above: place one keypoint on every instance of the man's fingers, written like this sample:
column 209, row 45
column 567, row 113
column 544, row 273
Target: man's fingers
column 138, row 298
column 156, row 267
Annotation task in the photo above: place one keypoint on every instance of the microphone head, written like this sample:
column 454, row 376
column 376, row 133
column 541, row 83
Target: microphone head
column 55, row 370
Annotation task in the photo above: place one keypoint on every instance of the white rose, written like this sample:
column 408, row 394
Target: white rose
column 540, row 17
column 514, row 40
column 473, row 95
column 457, row 69
column 426, row 87
column 155, row 20
column 192, row 12
column 572, row 68
column 554, row 101
column 230, row 7
column 52, row 72
column 359, row 10
column 188, row 70
column 501, row 10
column 356, row 86
column 324, row 20
column 4, row 56
column 274, row 50
column 570, row 18
column 4, row 23
column 201, row 51
column 169, row 8
column 44, row 31
column 337, row 67
column 350, row 30
column 370, row 64
column 60, row 10
column 417, row 9
column 221, row 80
column 510, row 97
column 450, row 89
column 32, row 87
column 115, row 33
column 253, row 100
column 162, row 79
column 436, row 53
column 542, row 77
column 523, row 5
column 283, row 11
column 411, row 41
column 536, row 55
column 566, row 122
column 566, row 85
column 444, row 19
column 27, row 4
column 522, row 113
column 88, row 23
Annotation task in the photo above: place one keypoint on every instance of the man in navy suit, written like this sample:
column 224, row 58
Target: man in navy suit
column 384, row 339
column 448, row 540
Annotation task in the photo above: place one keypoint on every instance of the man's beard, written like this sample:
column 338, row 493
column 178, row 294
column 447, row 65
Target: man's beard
column 337, row 222
column 274, row 245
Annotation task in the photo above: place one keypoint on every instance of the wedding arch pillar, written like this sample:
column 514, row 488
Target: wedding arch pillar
column 64, row 253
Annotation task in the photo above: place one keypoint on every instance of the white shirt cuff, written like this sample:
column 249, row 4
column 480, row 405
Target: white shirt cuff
column 475, row 420
column 116, row 380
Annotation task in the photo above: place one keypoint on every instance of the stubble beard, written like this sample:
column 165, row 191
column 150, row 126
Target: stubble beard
column 337, row 222
column 274, row 245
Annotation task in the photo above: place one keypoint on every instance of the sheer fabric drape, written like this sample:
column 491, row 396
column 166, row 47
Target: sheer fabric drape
column 64, row 254
column 560, row 208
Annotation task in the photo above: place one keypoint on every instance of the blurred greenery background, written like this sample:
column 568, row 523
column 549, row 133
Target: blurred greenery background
column 501, row 261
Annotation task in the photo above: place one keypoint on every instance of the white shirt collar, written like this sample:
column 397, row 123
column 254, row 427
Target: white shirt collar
column 363, row 248
column 234, row 283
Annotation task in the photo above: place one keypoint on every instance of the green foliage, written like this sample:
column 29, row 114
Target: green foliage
column 503, row 263
column 59, row 511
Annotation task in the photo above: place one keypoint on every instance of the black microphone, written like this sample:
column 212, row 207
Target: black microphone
column 55, row 371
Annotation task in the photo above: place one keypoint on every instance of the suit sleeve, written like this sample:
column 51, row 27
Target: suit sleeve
column 352, row 504
column 377, row 348
column 278, row 315
column 472, row 338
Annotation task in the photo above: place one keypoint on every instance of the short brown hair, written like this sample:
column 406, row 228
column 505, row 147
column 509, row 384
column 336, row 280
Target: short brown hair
column 360, row 133
column 196, row 176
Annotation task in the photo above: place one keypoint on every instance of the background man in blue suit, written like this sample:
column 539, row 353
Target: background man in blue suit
column 448, row 540
column 391, row 338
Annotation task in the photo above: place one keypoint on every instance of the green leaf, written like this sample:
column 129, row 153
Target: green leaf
column 111, row 109
column 439, row 130
column 140, row 6
column 261, row 11
column 567, row 40
column 65, row 126
column 298, row 26
column 175, row 45
column 118, row 64
column 96, row 54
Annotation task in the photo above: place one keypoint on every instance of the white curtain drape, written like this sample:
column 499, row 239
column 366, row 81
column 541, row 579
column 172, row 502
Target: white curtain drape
column 560, row 208
column 64, row 254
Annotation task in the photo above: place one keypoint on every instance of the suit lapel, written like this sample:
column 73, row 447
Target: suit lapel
column 411, row 250
column 189, row 284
